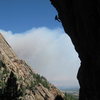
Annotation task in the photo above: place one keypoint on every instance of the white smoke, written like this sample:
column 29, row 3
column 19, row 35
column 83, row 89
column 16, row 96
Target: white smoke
column 49, row 51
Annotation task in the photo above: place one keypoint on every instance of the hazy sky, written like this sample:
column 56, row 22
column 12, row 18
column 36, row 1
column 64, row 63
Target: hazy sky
column 30, row 28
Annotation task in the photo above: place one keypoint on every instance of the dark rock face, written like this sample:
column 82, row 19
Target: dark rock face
column 81, row 21
column 58, row 97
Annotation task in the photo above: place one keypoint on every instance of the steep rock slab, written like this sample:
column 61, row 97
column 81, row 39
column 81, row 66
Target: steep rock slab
column 19, row 82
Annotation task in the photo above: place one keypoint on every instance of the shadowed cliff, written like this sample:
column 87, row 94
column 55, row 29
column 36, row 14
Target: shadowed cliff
column 81, row 21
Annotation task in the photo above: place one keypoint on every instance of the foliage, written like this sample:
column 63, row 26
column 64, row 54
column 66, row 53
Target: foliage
column 69, row 97
column 4, row 73
column 1, row 64
column 40, row 79
column 10, row 91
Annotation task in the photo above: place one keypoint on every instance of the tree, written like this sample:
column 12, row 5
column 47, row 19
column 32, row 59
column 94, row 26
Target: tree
column 11, row 91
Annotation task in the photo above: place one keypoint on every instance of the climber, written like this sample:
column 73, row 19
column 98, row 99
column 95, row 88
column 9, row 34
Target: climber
column 57, row 18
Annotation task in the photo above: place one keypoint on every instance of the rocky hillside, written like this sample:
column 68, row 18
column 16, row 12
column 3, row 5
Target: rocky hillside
column 19, row 82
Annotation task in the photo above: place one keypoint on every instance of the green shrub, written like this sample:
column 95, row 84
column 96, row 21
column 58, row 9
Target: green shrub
column 69, row 97
column 40, row 79
column 10, row 91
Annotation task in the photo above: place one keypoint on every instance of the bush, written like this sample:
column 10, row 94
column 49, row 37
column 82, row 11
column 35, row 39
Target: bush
column 40, row 79
column 69, row 97
column 10, row 91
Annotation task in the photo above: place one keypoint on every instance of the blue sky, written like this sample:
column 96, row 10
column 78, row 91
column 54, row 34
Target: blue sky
column 30, row 28
column 21, row 15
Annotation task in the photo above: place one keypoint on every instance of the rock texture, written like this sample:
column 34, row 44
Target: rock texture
column 81, row 21
column 18, row 81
